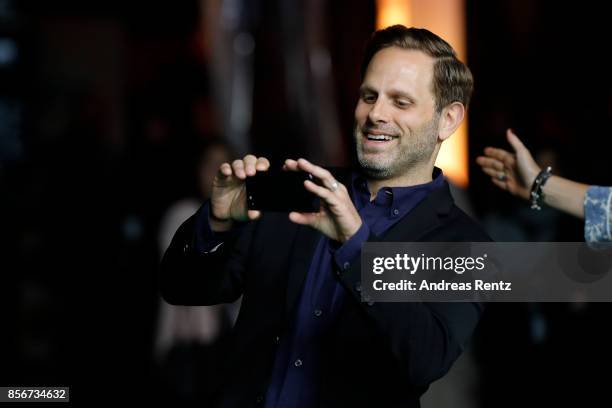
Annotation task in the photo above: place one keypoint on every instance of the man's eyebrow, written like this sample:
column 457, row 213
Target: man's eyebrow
column 366, row 88
column 395, row 93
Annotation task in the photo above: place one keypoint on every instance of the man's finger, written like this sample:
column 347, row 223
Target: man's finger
column 304, row 218
column 324, row 193
column 225, row 170
column 291, row 165
column 249, row 164
column 253, row 214
column 263, row 164
column 238, row 168
column 317, row 171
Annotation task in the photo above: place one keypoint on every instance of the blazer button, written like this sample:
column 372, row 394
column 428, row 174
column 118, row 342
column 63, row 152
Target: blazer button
column 318, row 312
column 298, row 363
column 358, row 286
column 276, row 339
column 259, row 400
column 186, row 248
column 346, row 266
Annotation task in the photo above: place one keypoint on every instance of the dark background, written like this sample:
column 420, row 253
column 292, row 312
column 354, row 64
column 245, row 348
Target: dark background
column 104, row 107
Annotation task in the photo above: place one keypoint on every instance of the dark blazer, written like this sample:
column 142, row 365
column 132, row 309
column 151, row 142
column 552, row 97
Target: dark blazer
column 376, row 355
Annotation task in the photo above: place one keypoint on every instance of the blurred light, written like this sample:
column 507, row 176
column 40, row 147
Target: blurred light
column 320, row 62
column 446, row 18
column 244, row 44
column 7, row 10
column 390, row 12
column 230, row 14
column 11, row 148
column 133, row 228
column 8, row 51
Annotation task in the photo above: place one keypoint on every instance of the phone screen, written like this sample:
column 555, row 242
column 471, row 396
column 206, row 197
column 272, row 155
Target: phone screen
column 281, row 191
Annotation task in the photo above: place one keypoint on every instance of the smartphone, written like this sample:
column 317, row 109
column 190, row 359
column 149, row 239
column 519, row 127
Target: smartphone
column 281, row 191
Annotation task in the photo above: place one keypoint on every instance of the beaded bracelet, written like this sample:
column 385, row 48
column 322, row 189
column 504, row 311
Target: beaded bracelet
column 537, row 196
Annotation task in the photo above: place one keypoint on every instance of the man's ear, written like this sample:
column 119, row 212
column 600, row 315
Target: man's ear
column 450, row 119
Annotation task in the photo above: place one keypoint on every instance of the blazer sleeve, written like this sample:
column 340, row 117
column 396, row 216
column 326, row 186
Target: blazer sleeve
column 426, row 338
column 193, row 273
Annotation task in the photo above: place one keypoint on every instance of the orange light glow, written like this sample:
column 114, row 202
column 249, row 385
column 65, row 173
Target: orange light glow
column 446, row 18
column 389, row 12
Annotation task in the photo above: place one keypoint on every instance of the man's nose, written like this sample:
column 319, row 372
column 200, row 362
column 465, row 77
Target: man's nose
column 379, row 112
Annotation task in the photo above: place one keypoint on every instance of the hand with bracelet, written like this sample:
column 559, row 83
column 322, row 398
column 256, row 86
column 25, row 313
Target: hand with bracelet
column 518, row 173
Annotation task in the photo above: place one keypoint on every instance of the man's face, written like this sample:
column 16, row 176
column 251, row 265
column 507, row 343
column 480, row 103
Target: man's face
column 396, row 126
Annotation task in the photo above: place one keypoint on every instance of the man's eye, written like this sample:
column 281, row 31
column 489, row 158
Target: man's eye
column 369, row 98
column 402, row 103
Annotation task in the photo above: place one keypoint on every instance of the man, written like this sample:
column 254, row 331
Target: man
column 303, row 337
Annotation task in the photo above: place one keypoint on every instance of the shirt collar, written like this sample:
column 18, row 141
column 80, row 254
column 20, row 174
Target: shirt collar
column 392, row 196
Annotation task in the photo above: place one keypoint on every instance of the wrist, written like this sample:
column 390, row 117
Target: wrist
column 219, row 224
column 531, row 175
column 350, row 235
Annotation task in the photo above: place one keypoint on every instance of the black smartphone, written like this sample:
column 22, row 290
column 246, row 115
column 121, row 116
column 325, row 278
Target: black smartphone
column 281, row 191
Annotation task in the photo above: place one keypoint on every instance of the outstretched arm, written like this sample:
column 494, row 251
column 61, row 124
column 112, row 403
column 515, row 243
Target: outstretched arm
column 516, row 171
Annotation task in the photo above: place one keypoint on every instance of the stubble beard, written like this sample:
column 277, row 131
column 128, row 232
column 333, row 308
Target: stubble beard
column 408, row 155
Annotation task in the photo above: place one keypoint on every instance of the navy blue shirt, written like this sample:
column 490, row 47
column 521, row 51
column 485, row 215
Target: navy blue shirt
column 296, row 366
column 295, row 375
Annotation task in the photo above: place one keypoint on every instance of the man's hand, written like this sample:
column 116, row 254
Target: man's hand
column 512, row 172
column 228, row 199
column 337, row 218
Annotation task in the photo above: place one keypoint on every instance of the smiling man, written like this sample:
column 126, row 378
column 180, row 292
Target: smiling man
column 413, row 96
column 304, row 338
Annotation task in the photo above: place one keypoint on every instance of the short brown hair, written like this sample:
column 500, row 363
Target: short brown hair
column 452, row 79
